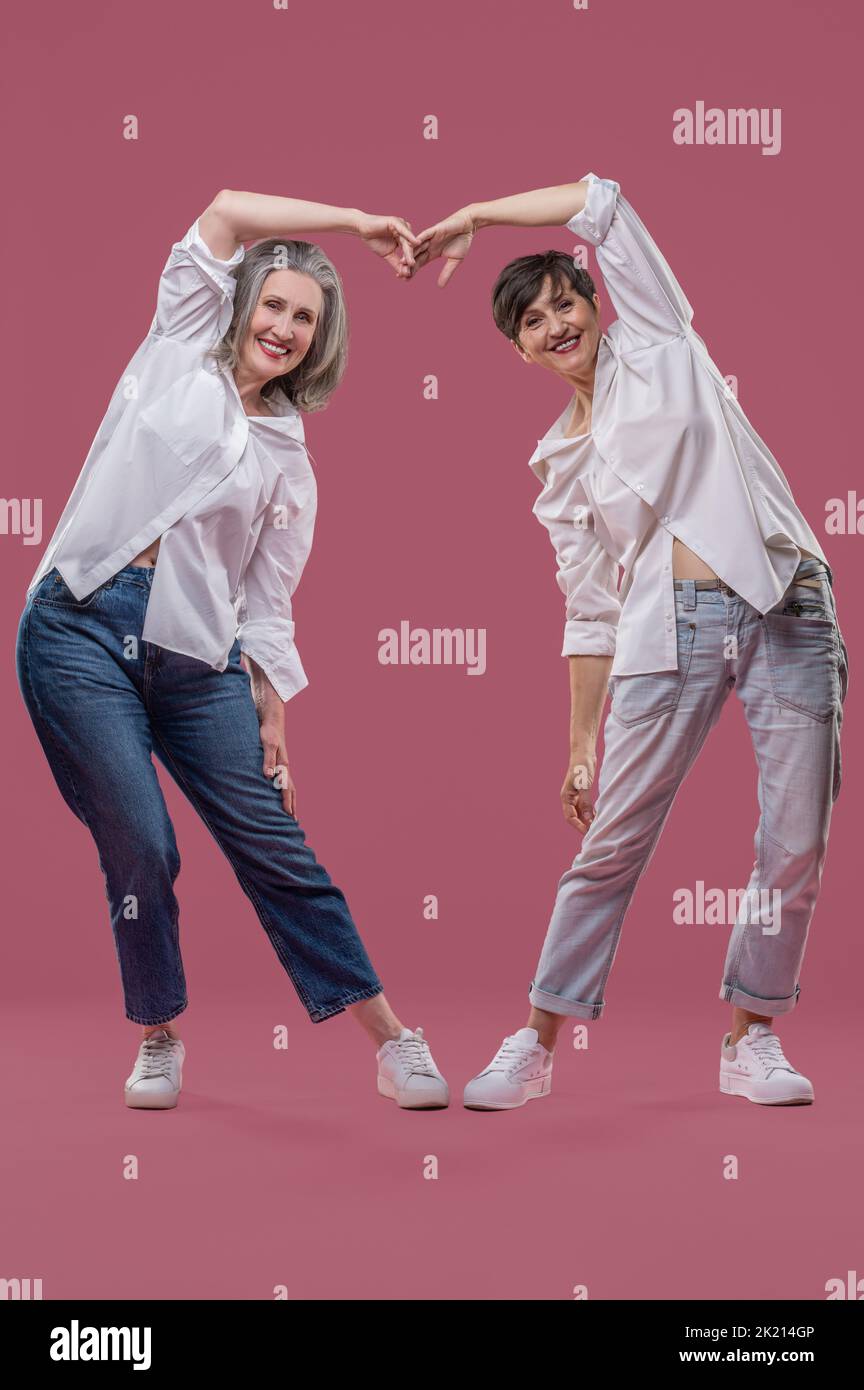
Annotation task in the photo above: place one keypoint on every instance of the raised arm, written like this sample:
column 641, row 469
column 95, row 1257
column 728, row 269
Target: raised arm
column 647, row 297
column 541, row 207
column 234, row 217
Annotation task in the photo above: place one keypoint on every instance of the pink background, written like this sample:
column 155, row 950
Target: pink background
column 287, row 1167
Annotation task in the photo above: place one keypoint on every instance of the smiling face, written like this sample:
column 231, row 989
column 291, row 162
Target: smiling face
column 561, row 331
column 282, row 326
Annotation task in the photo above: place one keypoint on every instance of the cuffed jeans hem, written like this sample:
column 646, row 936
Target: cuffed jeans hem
column 319, row 1015
column 754, row 1005
column 163, row 1018
column 555, row 1004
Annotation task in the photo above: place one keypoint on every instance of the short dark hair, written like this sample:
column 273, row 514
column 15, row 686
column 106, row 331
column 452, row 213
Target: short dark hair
column 521, row 281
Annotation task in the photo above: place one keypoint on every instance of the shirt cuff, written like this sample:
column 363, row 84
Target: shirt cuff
column 592, row 223
column 270, row 643
column 211, row 266
column 588, row 637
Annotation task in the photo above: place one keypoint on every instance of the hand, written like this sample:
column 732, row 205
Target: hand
column 272, row 730
column 392, row 238
column 451, row 239
column 271, row 727
column 577, row 802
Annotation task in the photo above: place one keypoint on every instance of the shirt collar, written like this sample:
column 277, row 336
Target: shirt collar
column 286, row 419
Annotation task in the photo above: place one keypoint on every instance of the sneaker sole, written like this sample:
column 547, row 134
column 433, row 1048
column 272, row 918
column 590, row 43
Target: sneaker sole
column 505, row 1105
column 736, row 1086
column 165, row 1101
column 388, row 1089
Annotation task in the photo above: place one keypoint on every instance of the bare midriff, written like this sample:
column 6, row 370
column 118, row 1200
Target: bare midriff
column 686, row 564
column 147, row 558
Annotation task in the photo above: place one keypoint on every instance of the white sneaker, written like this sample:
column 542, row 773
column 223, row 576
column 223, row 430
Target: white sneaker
column 520, row 1070
column 156, row 1077
column 756, row 1068
column 408, row 1074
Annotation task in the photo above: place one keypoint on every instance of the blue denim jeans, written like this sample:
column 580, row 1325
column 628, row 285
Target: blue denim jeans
column 101, row 703
column 789, row 668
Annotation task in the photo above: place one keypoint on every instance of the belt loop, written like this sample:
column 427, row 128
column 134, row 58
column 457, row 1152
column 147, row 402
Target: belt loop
column 689, row 592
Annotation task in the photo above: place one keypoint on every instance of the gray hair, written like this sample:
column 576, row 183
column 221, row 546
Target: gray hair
column 309, row 386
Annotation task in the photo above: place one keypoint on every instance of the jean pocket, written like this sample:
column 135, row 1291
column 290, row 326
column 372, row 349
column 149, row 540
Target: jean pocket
column 53, row 591
column 44, row 584
column 638, row 699
column 807, row 601
column 804, row 657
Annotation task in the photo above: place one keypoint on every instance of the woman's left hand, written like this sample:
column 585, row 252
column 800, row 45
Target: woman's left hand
column 271, row 727
column 391, row 238
column 272, row 730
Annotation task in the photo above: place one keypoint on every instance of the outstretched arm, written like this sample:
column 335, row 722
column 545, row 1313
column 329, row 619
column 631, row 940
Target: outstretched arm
column 234, row 217
column 541, row 207
column 651, row 304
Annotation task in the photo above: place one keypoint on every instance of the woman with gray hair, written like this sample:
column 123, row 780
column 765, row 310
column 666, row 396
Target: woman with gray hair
column 160, row 620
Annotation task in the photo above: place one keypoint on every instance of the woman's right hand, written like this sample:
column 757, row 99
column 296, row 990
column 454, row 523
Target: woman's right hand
column 450, row 238
column 390, row 238
column 577, row 803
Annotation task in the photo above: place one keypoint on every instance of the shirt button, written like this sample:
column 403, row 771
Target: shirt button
column 639, row 487
column 665, row 518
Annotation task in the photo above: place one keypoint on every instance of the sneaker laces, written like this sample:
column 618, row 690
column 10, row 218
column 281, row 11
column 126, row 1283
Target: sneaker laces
column 414, row 1053
column 766, row 1047
column 511, row 1054
column 153, row 1058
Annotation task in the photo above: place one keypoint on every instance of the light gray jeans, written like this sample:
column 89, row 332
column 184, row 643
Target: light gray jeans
column 790, row 670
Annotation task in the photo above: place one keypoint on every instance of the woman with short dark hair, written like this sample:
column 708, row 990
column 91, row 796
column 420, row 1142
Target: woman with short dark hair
column 653, row 466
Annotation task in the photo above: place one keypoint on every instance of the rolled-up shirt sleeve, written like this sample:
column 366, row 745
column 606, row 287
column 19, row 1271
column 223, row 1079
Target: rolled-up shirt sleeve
column 649, row 301
column 587, row 574
column 195, row 299
column 263, row 605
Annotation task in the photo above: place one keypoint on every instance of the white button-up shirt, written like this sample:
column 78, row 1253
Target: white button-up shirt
column 670, row 453
column 233, row 497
